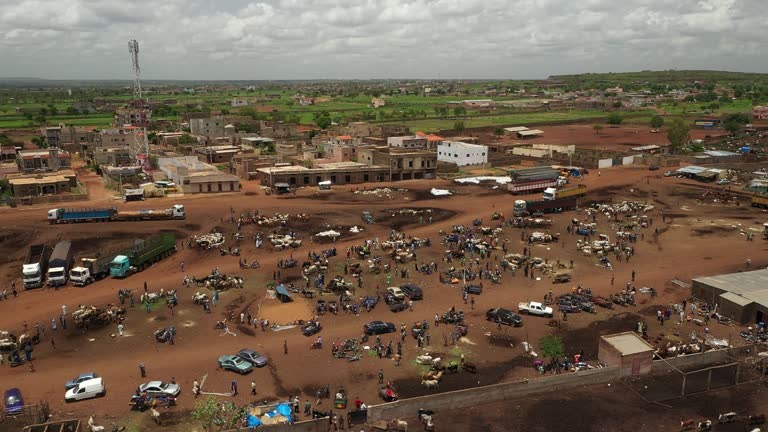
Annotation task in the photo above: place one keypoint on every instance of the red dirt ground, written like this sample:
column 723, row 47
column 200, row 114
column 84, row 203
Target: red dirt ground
column 688, row 246
column 621, row 138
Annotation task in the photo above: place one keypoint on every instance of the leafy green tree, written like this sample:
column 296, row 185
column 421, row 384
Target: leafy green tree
column 459, row 110
column 597, row 128
column 552, row 346
column 187, row 139
column 322, row 119
column 72, row 110
column 498, row 131
column 40, row 119
column 40, row 142
column 732, row 126
column 739, row 118
column 677, row 134
column 657, row 122
column 615, row 119
column 206, row 412
column 458, row 125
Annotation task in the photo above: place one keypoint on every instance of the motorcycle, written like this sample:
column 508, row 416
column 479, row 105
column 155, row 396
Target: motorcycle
column 316, row 345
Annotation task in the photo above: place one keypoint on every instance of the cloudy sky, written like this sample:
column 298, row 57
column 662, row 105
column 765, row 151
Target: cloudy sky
column 304, row 39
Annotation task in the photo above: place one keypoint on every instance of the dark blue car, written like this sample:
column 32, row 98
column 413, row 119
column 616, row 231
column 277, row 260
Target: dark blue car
column 14, row 402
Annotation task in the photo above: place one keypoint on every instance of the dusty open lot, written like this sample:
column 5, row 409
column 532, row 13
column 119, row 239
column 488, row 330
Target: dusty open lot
column 614, row 138
column 694, row 240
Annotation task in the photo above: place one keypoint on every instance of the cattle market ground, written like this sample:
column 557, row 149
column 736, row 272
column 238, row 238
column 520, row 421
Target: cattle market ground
column 695, row 240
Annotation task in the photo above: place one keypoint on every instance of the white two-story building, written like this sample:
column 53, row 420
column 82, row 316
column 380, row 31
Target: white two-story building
column 461, row 153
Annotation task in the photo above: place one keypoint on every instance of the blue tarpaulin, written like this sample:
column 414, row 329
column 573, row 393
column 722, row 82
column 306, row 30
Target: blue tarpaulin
column 253, row 421
column 282, row 290
column 286, row 411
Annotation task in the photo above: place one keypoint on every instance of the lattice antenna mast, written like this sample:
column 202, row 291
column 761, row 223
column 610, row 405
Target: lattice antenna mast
column 133, row 48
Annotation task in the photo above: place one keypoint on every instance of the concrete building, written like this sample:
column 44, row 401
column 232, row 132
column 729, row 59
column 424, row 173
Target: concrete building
column 512, row 131
column 115, row 137
column 246, row 164
column 543, row 150
column 239, row 102
column 335, row 172
column 194, row 176
column 24, row 185
column 63, row 135
column 461, row 153
column 408, row 141
column 760, row 113
column 378, row 102
column 113, row 156
column 211, row 127
column 742, row 297
column 405, row 164
column 217, row 154
column 133, row 114
column 631, row 353
column 47, row 160
column 529, row 133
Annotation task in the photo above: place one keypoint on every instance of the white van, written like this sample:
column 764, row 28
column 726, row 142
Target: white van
column 86, row 390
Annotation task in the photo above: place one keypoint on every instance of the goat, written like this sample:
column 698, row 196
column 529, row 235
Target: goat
column 686, row 424
column 430, row 384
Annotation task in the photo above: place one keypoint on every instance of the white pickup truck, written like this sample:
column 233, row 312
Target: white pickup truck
column 535, row 308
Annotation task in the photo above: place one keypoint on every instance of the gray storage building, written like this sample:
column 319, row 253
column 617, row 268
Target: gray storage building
column 743, row 296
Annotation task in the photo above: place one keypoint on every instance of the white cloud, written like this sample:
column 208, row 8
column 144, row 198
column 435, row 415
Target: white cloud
column 284, row 39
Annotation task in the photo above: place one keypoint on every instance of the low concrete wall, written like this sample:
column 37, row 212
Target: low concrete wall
column 492, row 393
column 317, row 425
column 45, row 199
column 693, row 362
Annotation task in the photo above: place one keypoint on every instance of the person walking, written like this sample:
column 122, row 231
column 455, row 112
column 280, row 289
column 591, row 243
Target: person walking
column 285, row 346
column 307, row 408
column 381, row 376
column 253, row 387
column 53, row 324
column 53, row 343
column 472, row 303
column 147, row 304
column 233, row 388
column 120, row 329
column 437, row 320
column 143, row 370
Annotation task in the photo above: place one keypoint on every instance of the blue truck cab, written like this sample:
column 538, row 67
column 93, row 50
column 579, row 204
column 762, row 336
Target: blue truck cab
column 120, row 266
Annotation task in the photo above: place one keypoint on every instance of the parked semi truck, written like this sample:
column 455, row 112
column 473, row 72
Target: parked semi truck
column 90, row 270
column 142, row 255
column 551, row 194
column 525, row 208
column 59, row 263
column 62, row 215
column 34, row 266
column 760, row 201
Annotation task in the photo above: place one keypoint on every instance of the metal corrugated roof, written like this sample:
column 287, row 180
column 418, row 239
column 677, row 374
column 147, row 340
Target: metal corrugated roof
column 691, row 169
column 751, row 285
column 720, row 153
column 646, row 147
column 735, row 298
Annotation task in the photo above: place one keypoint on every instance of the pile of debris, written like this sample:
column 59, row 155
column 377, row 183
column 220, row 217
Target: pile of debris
column 209, row 241
column 408, row 212
column 87, row 316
